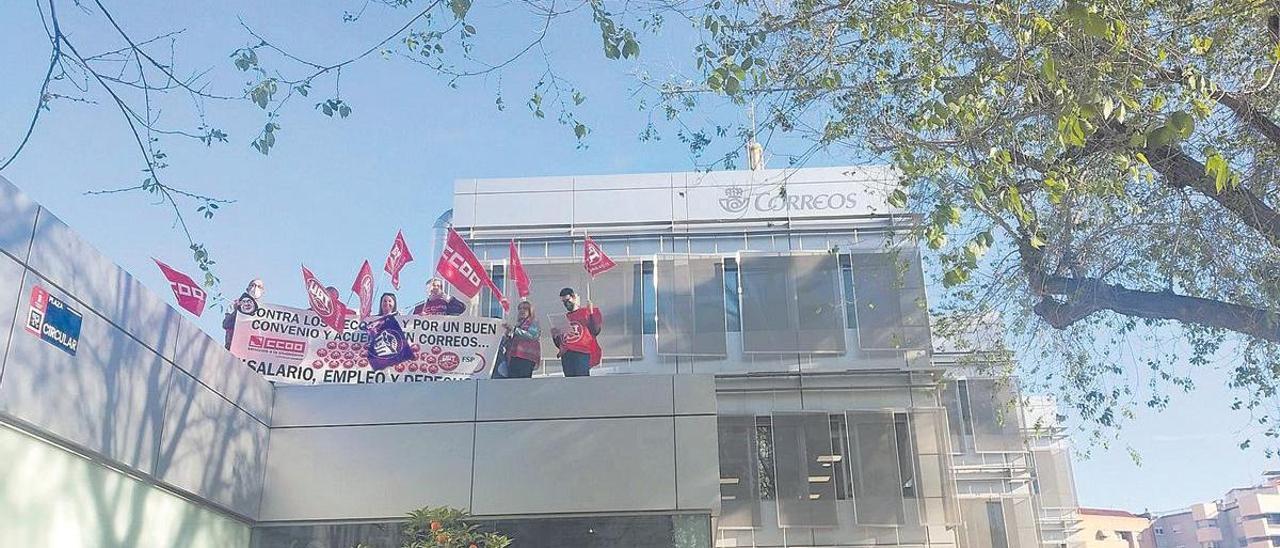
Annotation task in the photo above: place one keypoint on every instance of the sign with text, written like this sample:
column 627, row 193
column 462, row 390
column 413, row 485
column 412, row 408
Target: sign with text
column 51, row 319
column 293, row 345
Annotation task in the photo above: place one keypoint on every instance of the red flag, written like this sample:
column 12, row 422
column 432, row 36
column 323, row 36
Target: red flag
column 516, row 269
column 460, row 267
column 331, row 312
column 187, row 291
column 363, row 288
column 397, row 258
column 594, row 259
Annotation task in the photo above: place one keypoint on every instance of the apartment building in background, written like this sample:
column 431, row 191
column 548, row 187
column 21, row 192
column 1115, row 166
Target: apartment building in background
column 1108, row 528
column 1245, row 517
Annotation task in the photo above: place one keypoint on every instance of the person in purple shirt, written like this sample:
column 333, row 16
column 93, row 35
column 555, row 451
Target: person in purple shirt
column 439, row 303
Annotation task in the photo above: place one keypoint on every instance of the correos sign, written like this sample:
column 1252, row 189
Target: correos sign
column 737, row 200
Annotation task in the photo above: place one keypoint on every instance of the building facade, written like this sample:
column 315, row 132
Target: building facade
column 838, row 423
column 770, row 380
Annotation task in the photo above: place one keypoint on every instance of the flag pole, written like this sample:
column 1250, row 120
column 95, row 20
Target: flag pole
column 589, row 276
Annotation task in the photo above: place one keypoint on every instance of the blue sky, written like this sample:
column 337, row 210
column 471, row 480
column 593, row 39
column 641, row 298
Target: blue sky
column 333, row 192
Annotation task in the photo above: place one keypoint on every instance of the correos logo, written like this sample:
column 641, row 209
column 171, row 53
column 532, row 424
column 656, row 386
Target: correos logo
column 734, row 200
column 737, row 200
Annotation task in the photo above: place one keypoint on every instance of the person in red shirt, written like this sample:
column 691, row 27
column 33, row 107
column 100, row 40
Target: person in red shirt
column 579, row 349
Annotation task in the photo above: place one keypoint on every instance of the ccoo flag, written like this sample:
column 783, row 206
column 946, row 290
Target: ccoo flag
column 594, row 259
column 397, row 258
column 363, row 288
column 324, row 304
column 517, row 271
column 460, row 267
column 190, row 297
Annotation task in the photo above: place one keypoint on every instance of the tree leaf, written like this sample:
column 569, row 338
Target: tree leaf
column 460, row 8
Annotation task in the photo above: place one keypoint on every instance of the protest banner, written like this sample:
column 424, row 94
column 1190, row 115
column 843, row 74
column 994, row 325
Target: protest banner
column 293, row 345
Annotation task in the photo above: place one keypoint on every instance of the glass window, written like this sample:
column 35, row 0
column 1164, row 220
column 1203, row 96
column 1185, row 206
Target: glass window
column 850, row 302
column 1021, row 520
column 838, row 461
column 495, row 306
column 995, row 519
column 877, row 480
column 1053, row 479
column 906, row 470
column 950, row 392
column 790, row 303
column 690, row 307
column 765, row 474
column 995, row 416
column 805, row 491
column 732, row 306
column 935, row 488
column 891, row 311
column 651, row 531
column 649, row 298
column 614, row 292
column 740, row 507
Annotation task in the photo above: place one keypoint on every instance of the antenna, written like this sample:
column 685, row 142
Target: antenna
column 755, row 152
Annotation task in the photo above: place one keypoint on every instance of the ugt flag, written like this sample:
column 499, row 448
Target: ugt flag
column 397, row 258
column 331, row 312
column 460, row 267
column 516, row 269
column 190, row 297
column 363, row 288
column 387, row 343
column 594, row 259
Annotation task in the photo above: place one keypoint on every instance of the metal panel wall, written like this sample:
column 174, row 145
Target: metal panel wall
column 513, row 447
column 109, row 397
column 200, row 428
column 17, row 220
column 211, row 448
column 10, row 289
column 582, row 397
column 202, row 357
column 576, row 465
column 356, row 404
column 376, row 471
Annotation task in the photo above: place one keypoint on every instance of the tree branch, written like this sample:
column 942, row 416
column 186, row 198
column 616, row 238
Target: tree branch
column 1251, row 116
column 1089, row 295
column 1180, row 170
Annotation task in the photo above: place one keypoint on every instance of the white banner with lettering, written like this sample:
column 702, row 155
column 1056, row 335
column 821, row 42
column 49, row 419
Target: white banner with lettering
column 292, row 345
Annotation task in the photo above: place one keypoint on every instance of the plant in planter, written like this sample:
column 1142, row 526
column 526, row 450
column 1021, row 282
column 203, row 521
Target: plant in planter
column 445, row 527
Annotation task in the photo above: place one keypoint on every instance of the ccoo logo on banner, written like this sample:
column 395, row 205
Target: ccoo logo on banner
column 293, row 345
